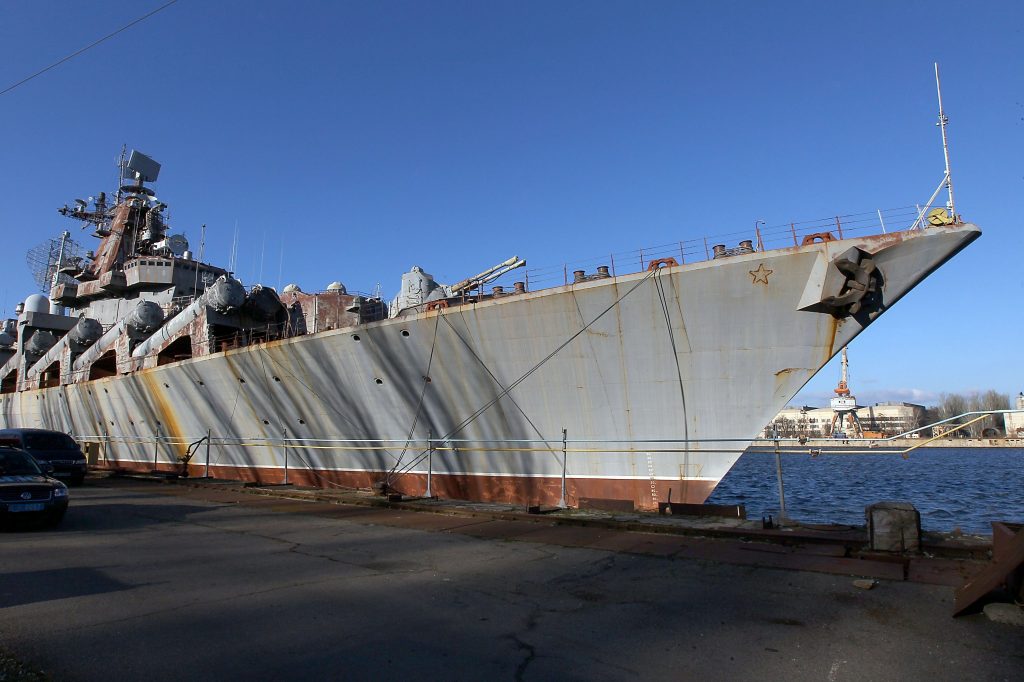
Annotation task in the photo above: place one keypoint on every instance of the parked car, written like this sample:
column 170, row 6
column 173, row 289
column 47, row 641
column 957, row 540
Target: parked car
column 26, row 492
column 57, row 449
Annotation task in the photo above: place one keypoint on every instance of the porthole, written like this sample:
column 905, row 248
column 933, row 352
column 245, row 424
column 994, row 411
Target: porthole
column 355, row 337
column 379, row 381
column 405, row 332
column 276, row 378
column 266, row 421
column 302, row 421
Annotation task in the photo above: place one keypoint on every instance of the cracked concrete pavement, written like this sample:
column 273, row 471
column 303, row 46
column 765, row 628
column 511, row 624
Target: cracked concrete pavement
column 166, row 583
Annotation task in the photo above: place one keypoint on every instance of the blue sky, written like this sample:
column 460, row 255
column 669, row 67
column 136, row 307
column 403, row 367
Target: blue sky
column 351, row 141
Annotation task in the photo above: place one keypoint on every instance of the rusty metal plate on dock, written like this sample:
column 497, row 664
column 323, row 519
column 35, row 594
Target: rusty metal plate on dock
column 1005, row 570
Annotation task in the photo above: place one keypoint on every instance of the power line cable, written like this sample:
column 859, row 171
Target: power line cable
column 87, row 47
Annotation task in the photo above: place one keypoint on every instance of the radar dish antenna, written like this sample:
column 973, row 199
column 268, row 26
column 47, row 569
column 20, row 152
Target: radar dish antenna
column 48, row 259
column 141, row 167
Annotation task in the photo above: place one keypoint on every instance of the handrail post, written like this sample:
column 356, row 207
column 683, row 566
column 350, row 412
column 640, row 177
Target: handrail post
column 778, row 474
column 430, row 461
column 285, row 444
column 206, row 474
column 561, row 500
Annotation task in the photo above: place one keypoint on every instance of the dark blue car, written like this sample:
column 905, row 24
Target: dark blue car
column 26, row 492
column 57, row 449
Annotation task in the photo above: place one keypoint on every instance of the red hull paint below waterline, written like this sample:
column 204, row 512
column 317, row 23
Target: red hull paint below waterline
column 515, row 490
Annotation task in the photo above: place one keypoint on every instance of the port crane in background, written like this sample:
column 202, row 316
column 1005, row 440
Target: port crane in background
column 844, row 407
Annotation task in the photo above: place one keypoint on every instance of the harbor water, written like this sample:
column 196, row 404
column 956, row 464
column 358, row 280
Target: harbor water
column 965, row 488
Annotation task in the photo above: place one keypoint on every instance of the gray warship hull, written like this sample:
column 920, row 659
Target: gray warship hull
column 639, row 387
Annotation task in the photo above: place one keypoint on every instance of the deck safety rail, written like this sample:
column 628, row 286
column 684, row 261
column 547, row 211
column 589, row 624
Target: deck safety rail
column 178, row 451
column 762, row 238
column 171, row 446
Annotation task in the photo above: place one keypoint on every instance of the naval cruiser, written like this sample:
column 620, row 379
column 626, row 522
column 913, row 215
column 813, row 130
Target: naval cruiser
column 635, row 385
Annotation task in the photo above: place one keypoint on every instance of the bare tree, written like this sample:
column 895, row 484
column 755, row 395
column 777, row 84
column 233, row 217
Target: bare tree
column 989, row 401
column 952, row 404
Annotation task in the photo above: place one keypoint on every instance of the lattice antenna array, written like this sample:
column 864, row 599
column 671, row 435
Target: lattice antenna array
column 46, row 258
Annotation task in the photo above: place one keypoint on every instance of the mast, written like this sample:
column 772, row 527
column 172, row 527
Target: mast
column 943, row 120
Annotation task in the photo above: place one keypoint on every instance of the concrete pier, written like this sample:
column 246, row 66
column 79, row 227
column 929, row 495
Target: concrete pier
column 167, row 582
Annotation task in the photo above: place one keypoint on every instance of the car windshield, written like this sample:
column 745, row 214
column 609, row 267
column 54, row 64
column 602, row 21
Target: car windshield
column 49, row 441
column 17, row 463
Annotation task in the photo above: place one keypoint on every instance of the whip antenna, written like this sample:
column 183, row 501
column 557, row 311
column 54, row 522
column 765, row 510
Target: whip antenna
column 943, row 120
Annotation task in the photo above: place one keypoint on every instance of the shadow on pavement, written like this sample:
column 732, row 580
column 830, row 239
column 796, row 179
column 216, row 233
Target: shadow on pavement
column 59, row 583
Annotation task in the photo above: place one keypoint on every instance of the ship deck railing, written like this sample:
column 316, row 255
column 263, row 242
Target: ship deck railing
column 761, row 236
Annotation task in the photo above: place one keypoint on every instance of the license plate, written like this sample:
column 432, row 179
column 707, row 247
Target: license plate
column 25, row 507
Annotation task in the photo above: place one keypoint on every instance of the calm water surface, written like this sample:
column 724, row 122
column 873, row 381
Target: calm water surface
column 964, row 488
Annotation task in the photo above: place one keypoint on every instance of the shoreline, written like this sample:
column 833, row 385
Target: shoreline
column 883, row 445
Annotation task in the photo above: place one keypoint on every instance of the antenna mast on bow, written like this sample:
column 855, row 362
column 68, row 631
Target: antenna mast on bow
column 943, row 120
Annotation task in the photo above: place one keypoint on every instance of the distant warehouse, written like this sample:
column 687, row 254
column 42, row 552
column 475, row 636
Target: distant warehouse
column 878, row 421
